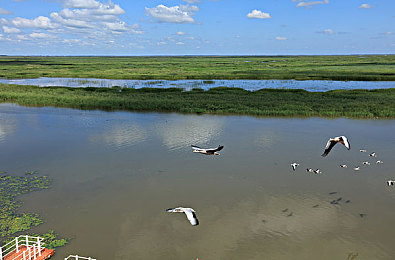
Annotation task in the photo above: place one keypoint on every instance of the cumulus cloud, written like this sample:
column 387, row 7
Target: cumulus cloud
column 41, row 22
column 91, row 17
column 365, row 6
column 81, row 4
column 4, row 11
column 258, row 14
column 174, row 14
column 180, row 33
column 279, row 38
column 309, row 4
column 7, row 29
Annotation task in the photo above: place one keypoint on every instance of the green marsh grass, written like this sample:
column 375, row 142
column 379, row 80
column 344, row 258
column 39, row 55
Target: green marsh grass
column 347, row 67
column 379, row 103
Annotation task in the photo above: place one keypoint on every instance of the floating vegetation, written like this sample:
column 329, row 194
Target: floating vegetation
column 11, row 222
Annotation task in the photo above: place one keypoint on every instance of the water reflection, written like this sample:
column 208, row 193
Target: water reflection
column 115, row 173
column 120, row 135
column 310, row 85
column 179, row 132
column 8, row 126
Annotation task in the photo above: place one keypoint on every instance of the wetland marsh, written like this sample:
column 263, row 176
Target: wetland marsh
column 114, row 174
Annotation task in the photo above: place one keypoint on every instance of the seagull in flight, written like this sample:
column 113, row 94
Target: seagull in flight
column 362, row 150
column 390, row 182
column 372, row 155
column 189, row 212
column 357, row 168
column 379, row 161
column 210, row 151
column 333, row 141
column 343, row 165
column 294, row 165
column 367, row 163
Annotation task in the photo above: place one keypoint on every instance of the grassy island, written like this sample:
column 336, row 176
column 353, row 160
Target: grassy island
column 378, row 103
column 346, row 67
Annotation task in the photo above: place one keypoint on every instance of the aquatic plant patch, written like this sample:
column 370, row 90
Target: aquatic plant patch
column 11, row 222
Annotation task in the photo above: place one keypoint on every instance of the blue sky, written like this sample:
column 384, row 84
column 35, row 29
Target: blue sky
column 196, row 27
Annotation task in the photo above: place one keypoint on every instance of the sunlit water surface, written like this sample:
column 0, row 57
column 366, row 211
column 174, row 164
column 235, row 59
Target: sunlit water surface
column 115, row 173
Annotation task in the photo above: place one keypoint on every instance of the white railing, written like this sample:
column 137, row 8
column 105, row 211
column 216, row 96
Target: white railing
column 76, row 257
column 33, row 245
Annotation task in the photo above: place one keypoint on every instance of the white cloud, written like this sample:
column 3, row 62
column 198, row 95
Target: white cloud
column 279, row 38
column 180, row 43
column 327, row 31
column 22, row 37
column 74, row 23
column 81, row 3
column 310, row 4
column 7, row 29
column 388, row 33
column 41, row 22
column 180, row 33
column 40, row 35
column 365, row 6
column 258, row 14
column 4, row 11
column 174, row 14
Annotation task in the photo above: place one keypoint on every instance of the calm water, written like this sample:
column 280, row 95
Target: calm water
column 310, row 85
column 115, row 173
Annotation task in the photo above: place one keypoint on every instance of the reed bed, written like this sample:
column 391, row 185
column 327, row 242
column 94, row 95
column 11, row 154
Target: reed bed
column 379, row 103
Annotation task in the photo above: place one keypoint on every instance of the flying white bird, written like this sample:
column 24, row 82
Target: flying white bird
column 362, row 150
column 210, row 151
column 372, row 154
column 189, row 212
column 309, row 170
column 317, row 171
column 390, row 182
column 367, row 163
column 343, row 165
column 379, row 161
column 356, row 168
column 333, row 141
column 294, row 165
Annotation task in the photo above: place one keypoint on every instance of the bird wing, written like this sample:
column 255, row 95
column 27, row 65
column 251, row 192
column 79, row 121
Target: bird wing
column 191, row 217
column 328, row 147
column 212, row 150
column 346, row 142
column 197, row 148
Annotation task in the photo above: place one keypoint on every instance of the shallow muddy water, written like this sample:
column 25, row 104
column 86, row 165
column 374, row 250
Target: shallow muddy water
column 115, row 173
column 309, row 85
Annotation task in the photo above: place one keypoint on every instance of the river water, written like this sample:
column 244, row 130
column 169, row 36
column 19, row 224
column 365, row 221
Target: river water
column 115, row 173
column 310, row 85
